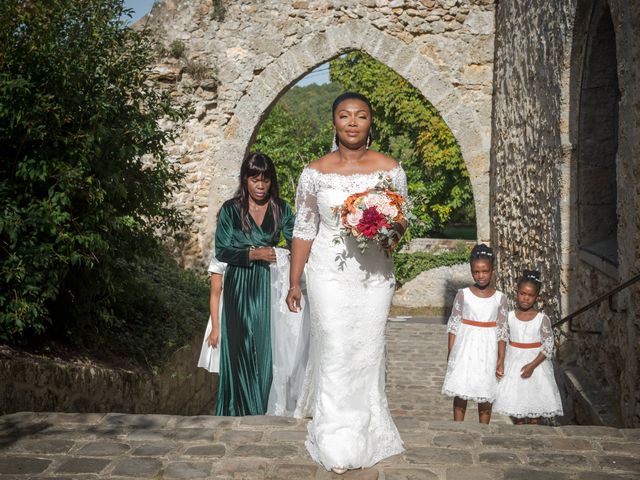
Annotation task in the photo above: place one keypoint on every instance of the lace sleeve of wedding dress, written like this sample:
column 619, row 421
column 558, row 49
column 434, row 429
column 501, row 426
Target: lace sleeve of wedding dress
column 546, row 337
column 502, row 320
column 399, row 179
column 456, row 313
column 307, row 216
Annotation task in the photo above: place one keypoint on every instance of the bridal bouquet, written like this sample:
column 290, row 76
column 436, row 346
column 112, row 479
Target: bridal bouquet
column 372, row 216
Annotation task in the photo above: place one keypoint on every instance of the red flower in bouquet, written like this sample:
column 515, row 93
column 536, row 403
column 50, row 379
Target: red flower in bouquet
column 372, row 222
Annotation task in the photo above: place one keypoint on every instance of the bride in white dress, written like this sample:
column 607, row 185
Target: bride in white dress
column 349, row 297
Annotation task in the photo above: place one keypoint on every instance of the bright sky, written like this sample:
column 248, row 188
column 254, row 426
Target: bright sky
column 140, row 7
column 320, row 75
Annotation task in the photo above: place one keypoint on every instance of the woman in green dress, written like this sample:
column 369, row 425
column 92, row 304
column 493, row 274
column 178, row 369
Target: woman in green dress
column 249, row 226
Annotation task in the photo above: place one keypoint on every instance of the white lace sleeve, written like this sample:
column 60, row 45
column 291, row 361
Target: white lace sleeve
column 307, row 216
column 399, row 179
column 546, row 337
column 456, row 313
column 502, row 320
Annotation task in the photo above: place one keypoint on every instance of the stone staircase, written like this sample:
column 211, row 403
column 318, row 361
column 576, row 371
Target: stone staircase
column 123, row 446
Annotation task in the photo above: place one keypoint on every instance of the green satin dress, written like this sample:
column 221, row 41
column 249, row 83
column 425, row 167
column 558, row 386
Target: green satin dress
column 245, row 324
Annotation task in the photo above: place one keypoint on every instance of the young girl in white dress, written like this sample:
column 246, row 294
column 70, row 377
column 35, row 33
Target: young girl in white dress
column 478, row 316
column 527, row 389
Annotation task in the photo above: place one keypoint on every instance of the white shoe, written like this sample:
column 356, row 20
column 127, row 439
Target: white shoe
column 339, row 471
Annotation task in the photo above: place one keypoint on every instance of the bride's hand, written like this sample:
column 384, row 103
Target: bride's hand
column 293, row 299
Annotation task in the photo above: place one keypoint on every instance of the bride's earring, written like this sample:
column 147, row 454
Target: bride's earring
column 334, row 147
column 368, row 140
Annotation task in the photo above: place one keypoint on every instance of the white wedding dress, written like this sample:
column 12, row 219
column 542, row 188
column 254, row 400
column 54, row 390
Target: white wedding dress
column 349, row 297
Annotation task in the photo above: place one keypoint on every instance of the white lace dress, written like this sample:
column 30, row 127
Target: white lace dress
column 538, row 395
column 471, row 369
column 349, row 299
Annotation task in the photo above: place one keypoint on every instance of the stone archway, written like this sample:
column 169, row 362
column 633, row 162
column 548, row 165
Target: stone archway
column 469, row 121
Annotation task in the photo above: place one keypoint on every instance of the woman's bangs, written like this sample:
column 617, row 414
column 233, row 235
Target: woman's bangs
column 256, row 169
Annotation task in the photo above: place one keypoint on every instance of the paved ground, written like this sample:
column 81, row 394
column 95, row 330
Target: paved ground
column 117, row 446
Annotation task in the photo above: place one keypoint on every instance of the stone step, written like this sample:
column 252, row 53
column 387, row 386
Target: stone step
column 48, row 445
column 124, row 446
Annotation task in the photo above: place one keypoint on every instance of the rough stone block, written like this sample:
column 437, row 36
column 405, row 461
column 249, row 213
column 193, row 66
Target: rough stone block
column 295, row 436
column 204, row 421
column 409, row 474
column 512, row 443
column 194, row 434
column 187, row 470
column 626, row 447
column 241, row 467
column 154, row 449
column 103, row 449
column 11, row 465
column 137, row 421
column 433, row 288
column 557, row 460
column 137, row 467
column 438, row 456
column 473, row 473
column 265, row 420
column 295, row 471
column 83, row 465
column 619, row 462
column 45, row 445
column 502, row 458
column 520, row 473
column 240, row 436
column 455, row 440
column 265, row 451
column 591, row 431
column 215, row 450
column 570, row 444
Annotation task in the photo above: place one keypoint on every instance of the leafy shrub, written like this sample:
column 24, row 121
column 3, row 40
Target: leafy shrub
column 176, row 48
column 409, row 265
column 77, row 116
column 160, row 307
column 199, row 71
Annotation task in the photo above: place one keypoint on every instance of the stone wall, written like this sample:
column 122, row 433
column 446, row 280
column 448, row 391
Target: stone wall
column 237, row 63
column 535, row 182
column 36, row 383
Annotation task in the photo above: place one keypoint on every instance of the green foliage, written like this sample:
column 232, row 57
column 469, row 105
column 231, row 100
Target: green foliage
column 176, row 49
column 77, row 114
column 199, row 71
column 219, row 11
column 408, row 127
column 409, row 265
column 160, row 308
column 313, row 104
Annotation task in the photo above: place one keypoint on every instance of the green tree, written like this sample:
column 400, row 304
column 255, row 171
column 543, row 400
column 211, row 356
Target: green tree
column 77, row 116
column 409, row 128
column 292, row 140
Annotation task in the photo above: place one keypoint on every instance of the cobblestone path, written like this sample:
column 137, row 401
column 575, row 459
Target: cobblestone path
column 121, row 446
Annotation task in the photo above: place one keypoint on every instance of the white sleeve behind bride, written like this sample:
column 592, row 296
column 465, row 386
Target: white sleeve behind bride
column 289, row 341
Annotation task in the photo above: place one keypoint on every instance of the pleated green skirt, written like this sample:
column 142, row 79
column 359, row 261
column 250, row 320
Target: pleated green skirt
column 245, row 341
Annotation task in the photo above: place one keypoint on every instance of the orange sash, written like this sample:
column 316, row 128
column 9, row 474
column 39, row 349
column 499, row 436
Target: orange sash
column 473, row 323
column 525, row 345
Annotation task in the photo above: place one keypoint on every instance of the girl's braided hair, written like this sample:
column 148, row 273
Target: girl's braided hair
column 532, row 277
column 481, row 252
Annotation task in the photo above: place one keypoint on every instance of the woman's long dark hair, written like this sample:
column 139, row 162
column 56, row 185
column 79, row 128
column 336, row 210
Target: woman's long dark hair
column 256, row 164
